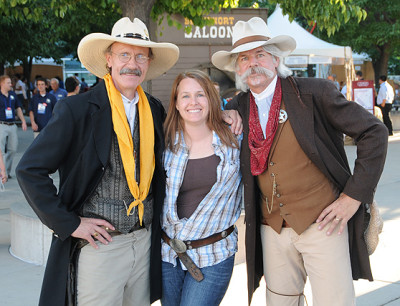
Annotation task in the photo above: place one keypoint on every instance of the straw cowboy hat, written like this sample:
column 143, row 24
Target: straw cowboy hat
column 92, row 47
column 248, row 35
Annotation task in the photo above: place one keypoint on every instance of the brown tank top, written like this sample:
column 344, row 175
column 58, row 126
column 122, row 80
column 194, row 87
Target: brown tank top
column 200, row 176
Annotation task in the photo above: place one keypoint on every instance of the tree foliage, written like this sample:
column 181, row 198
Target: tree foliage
column 329, row 15
column 53, row 28
column 378, row 35
column 49, row 31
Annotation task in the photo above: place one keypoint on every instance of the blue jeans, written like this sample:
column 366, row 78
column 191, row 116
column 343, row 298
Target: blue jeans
column 180, row 288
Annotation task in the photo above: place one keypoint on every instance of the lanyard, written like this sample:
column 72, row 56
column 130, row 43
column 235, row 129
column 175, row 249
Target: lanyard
column 5, row 100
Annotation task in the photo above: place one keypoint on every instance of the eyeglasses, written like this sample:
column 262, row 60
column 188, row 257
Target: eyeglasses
column 126, row 57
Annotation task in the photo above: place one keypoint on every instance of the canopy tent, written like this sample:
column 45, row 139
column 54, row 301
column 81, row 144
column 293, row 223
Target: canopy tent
column 310, row 49
column 307, row 44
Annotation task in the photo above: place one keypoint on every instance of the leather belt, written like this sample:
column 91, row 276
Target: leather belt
column 7, row 123
column 83, row 242
column 180, row 247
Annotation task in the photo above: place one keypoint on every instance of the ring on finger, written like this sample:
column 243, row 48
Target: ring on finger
column 95, row 234
column 337, row 219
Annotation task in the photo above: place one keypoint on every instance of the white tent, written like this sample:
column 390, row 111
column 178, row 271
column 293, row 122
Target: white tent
column 311, row 49
column 307, row 44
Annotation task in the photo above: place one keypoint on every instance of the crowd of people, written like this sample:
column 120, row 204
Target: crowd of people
column 36, row 100
column 148, row 199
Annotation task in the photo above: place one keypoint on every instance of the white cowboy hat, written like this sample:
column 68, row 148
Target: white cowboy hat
column 248, row 35
column 92, row 47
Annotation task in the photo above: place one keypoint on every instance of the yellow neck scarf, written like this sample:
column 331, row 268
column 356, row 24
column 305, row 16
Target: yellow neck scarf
column 125, row 143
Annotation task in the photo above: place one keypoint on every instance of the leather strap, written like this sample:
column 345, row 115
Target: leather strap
column 194, row 271
column 83, row 242
column 194, row 244
column 185, row 259
column 248, row 39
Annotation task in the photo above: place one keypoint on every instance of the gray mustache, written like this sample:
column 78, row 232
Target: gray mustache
column 258, row 70
column 136, row 72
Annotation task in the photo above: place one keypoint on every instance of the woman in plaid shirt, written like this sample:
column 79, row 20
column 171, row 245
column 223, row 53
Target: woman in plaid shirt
column 203, row 195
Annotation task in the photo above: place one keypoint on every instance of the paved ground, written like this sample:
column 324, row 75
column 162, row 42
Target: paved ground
column 20, row 282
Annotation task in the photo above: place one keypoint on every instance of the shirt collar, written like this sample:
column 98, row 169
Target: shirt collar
column 267, row 91
column 134, row 100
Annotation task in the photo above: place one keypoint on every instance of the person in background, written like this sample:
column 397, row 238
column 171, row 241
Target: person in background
column 358, row 78
column 60, row 82
column 95, row 83
column 3, row 172
column 41, row 107
column 332, row 78
column 72, row 86
column 76, row 76
column 305, row 212
column 359, row 75
column 384, row 101
column 56, row 91
column 48, row 86
column 84, row 86
column 20, row 90
column 223, row 101
column 203, row 195
column 9, row 108
column 396, row 101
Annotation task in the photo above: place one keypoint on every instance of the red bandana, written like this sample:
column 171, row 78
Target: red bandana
column 259, row 146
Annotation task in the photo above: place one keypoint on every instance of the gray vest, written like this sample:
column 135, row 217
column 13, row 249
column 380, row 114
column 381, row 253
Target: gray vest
column 112, row 196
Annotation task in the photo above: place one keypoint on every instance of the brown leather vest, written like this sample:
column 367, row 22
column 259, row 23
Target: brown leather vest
column 293, row 188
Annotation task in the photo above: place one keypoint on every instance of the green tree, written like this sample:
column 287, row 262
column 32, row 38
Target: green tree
column 66, row 21
column 329, row 15
column 56, row 33
column 378, row 35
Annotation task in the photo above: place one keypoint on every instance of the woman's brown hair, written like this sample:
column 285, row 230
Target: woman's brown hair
column 174, row 122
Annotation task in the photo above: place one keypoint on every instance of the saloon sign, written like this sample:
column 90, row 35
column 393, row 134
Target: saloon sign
column 220, row 33
column 222, row 28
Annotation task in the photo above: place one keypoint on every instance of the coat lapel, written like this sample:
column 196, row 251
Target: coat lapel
column 158, row 129
column 102, row 122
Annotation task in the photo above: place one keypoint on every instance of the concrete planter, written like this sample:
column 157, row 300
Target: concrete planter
column 30, row 239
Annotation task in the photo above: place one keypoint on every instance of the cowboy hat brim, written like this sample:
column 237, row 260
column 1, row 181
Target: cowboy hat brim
column 223, row 59
column 91, row 53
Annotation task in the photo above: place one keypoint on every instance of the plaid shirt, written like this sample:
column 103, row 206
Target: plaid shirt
column 215, row 213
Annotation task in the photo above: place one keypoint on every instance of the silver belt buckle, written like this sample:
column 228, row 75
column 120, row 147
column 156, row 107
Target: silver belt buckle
column 178, row 245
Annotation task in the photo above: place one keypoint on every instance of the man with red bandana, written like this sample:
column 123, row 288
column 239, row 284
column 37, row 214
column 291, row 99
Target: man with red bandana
column 304, row 207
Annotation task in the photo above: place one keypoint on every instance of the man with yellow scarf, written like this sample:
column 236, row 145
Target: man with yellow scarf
column 107, row 145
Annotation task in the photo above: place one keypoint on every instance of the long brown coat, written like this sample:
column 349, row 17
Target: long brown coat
column 319, row 115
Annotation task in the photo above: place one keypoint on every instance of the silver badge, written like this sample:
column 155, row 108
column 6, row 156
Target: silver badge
column 282, row 116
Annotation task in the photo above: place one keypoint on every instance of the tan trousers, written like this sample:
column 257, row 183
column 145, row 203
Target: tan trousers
column 117, row 273
column 289, row 258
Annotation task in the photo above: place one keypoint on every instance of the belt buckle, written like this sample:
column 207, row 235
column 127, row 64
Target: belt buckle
column 178, row 245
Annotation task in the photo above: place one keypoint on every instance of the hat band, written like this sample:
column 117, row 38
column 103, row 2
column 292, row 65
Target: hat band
column 248, row 39
column 133, row 35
